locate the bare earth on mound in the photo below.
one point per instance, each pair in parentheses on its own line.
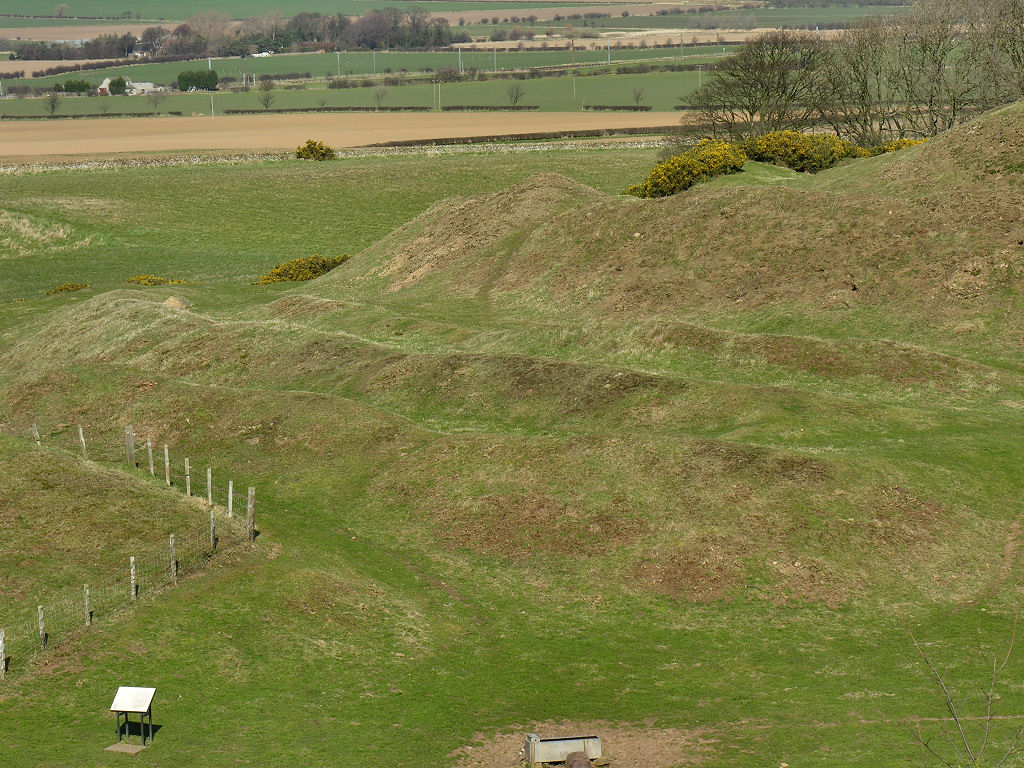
(624,746)
(32,138)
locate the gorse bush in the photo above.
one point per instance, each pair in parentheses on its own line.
(804,152)
(303,268)
(154,280)
(67,288)
(708,159)
(892,146)
(314,150)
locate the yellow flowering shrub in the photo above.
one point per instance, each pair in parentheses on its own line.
(154,280)
(708,159)
(303,268)
(804,152)
(892,146)
(67,288)
(314,150)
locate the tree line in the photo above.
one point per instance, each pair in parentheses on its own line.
(214,34)
(908,75)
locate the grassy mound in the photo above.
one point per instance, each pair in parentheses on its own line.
(700,460)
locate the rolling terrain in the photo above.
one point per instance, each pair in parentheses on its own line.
(687,468)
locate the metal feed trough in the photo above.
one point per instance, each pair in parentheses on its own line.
(540,750)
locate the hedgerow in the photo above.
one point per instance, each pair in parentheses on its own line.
(67,288)
(314,150)
(154,280)
(708,159)
(303,268)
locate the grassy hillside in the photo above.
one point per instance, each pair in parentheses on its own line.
(547,454)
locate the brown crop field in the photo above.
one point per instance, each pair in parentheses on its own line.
(286,131)
(83,32)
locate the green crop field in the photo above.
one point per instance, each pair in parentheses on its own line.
(366,63)
(755,17)
(540,456)
(237,9)
(660,90)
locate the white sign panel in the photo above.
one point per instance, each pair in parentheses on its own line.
(137,700)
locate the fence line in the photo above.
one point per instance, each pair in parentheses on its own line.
(144,573)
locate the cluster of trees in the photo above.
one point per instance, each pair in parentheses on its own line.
(909,75)
(200,79)
(103,47)
(213,34)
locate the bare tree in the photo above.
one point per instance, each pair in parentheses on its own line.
(515,93)
(965,745)
(379,94)
(638,96)
(155,99)
(51,103)
(266,95)
(768,86)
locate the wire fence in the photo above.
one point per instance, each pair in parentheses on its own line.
(145,572)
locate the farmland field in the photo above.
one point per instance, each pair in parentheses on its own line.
(286,131)
(539,456)
(365,63)
(160,10)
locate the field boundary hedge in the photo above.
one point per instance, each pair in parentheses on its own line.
(173,113)
(590,133)
(617,107)
(285,110)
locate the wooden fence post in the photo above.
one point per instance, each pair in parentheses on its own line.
(250,514)
(167,466)
(131,565)
(42,630)
(149,452)
(35,435)
(231,496)
(209,486)
(188,479)
(88,611)
(129,443)
(81,439)
(174,562)
(3,655)
(213,531)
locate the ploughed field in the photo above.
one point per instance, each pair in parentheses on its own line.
(287,131)
(541,457)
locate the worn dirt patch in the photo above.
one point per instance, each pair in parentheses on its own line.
(626,746)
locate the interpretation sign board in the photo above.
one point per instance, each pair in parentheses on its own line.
(133,701)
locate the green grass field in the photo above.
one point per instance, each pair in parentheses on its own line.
(542,453)
(758,17)
(661,91)
(365,63)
